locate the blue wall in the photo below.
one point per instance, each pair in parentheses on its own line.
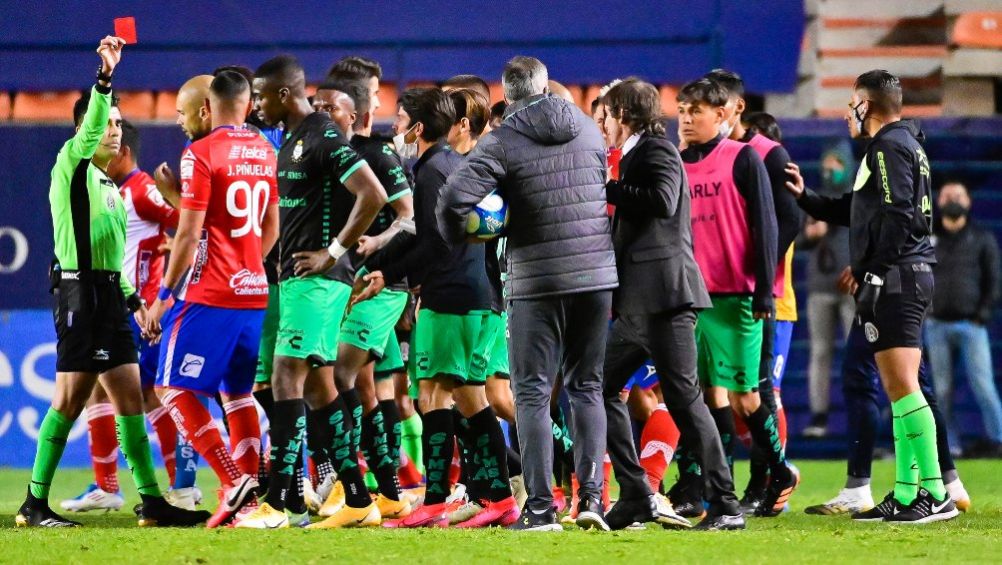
(52,45)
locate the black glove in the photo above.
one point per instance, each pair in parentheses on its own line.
(866,300)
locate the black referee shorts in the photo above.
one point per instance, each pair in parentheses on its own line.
(92,323)
(901,309)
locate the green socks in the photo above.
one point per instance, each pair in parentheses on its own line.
(906,473)
(411,430)
(135,444)
(920,430)
(51,443)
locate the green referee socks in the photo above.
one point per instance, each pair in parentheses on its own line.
(51,443)
(905,470)
(920,431)
(135,444)
(411,431)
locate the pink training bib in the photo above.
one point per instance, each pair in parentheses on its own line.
(720,235)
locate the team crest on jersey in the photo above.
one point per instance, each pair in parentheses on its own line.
(110,201)
(862,175)
(872,334)
(297,152)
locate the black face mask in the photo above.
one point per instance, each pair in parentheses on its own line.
(954,210)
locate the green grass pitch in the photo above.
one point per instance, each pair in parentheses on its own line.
(791,538)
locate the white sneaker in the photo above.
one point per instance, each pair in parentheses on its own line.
(959,495)
(311,497)
(187,498)
(94,499)
(847,501)
(326,486)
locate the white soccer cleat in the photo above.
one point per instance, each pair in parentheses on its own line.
(186,498)
(847,501)
(311,497)
(326,486)
(458,493)
(94,499)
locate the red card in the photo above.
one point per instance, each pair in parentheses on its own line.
(126,29)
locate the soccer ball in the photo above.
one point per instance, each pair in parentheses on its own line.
(488,219)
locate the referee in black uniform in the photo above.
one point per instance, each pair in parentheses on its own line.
(889,214)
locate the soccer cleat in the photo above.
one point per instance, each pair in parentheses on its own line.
(311,497)
(298,520)
(233,499)
(35,512)
(777,494)
(926,509)
(463,512)
(847,501)
(666,515)
(530,521)
(157,513)
(887,508)
(415,496)
(334,502)
(350,517)
(264,518)
(959,495)
(427,516)
(559,499)
(94,498)
(630,513)
(689,508)
(325,486)
(591,514)
(751,501)
(458,493)
(393,509)
(502,513)
(518,489)
(187,498)
(722,522)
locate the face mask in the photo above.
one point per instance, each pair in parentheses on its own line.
(833,178)
(406,150)
(725,129)
(859,119)
(954,210)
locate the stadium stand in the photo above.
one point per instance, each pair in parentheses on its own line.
(44,106)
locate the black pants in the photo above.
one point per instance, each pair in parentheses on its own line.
(550,336)
(669,339)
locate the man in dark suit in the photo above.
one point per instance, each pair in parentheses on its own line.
(655,306)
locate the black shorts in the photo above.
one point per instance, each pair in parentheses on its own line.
(904,302)
(92,323)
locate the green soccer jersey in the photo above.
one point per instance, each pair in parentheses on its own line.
(88,213)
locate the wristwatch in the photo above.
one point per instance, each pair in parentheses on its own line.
(870,278)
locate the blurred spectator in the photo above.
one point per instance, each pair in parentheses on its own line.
(967,286)
(827,308)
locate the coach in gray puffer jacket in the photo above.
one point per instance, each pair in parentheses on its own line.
(547,159)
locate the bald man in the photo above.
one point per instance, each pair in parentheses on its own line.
(194,118)
(560,91)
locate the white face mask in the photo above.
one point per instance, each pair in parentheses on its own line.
(406,150)
(725,129)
